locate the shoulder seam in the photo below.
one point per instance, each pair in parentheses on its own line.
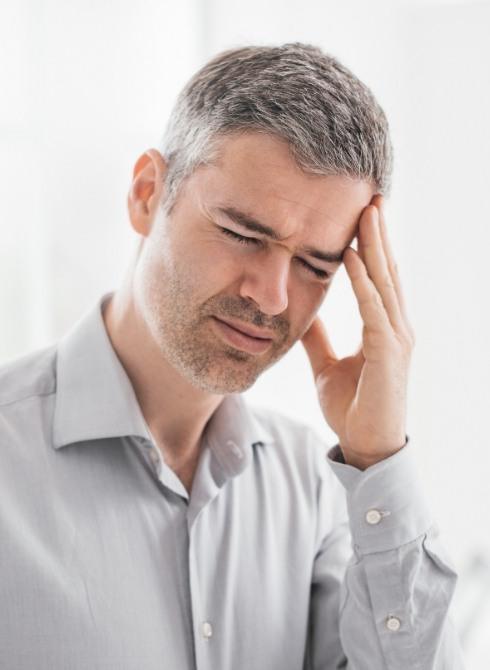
(26,397)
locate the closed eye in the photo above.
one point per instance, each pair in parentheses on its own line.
(242,239)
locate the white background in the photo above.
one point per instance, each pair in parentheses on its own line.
(86,87)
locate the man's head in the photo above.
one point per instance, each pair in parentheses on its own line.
(281,145)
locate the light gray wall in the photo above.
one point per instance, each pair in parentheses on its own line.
(86,87)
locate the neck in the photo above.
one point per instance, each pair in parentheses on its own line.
(175,411)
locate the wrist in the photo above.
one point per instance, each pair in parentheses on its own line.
(362,461)
(356,461)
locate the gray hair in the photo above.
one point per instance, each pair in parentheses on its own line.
(329,118)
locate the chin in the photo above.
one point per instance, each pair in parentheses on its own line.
(223,385)
(223,381)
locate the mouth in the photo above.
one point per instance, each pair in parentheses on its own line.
(240,339)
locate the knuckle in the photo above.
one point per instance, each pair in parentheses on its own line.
(373,297)
(388,283)
(413,339)
(406,342)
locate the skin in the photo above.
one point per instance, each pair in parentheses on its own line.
(186,270)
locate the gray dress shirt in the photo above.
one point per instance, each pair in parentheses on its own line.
(281,558)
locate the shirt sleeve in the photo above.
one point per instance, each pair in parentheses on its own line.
(393,595)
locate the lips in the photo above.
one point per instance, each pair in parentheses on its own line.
(238,339)
(248,329)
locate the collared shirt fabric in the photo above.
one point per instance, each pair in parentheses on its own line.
(281,558)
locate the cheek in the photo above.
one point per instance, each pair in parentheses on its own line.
(205,268)
(216,265)
(305,300)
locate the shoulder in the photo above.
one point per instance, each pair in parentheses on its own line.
(27,386)
(297,455)
(294,440)
(287,430)
(31,375)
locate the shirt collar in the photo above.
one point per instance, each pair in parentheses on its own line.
(95,398)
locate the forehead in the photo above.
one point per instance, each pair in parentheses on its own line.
(257,172)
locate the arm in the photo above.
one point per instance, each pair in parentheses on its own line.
(399,583)
(392,586)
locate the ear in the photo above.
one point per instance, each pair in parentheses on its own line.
(147,190)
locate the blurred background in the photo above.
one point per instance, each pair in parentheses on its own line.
(86,87)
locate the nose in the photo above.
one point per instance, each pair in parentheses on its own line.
(265,281)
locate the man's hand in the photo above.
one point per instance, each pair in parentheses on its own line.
(363,396)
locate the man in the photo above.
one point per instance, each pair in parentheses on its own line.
(150,518)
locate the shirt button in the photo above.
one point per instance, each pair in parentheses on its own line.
(373,516)
(393,623)
(207,630)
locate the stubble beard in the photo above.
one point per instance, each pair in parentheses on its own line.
(183,333)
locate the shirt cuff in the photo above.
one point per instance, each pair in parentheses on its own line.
(386,504)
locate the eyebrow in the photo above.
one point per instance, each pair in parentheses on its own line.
(250,223)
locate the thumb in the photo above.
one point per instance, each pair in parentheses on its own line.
(318,347)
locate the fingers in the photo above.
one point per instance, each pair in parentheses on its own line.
(376,262)
(318,347)
(392,264)
(371,307)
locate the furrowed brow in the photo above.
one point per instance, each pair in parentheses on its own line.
(251,224)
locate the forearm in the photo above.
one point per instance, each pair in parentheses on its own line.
(399,584)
